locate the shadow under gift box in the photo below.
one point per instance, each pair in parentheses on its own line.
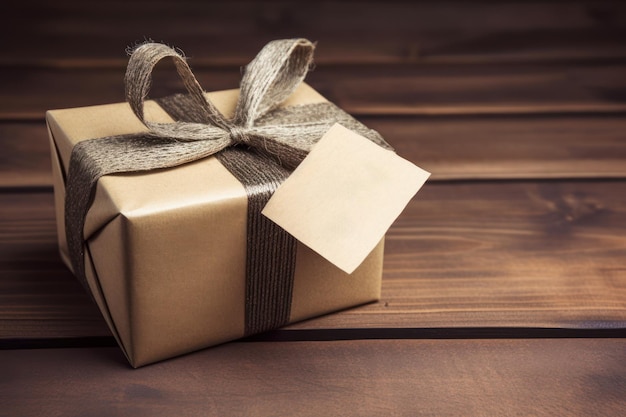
(166,250)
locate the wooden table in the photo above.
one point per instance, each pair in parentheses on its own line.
(504,289)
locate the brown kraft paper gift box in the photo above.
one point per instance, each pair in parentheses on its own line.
(166,249)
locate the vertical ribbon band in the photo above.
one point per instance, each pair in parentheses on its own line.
(270,251)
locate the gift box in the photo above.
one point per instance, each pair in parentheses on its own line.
(166,251)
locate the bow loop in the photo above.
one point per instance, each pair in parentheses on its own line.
(272,77)
(138,80)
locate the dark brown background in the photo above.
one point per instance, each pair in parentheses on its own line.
(504,288)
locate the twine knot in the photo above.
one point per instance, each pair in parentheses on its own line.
(239,135)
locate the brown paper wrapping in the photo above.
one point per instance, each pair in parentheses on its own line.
(166,250)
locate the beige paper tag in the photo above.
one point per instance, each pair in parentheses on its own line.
(343,197)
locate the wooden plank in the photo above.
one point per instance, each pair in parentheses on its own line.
(31,274)
(33,91)
(466,148)
(361,90)
(466,255)
(539,377)
(474,90)
(25,157)
(520,254)
(79,33)
(449,147)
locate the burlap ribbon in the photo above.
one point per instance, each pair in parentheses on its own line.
(259,146)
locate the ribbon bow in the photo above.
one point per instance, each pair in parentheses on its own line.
(268,80)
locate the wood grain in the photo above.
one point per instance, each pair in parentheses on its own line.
(359,89)
(539,377)
(31,273)
(451,148)
(70,33)
(504,254)
(516,244)
(466,255)
(509,147)
(25,157)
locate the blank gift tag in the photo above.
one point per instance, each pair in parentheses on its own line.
(343,197)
